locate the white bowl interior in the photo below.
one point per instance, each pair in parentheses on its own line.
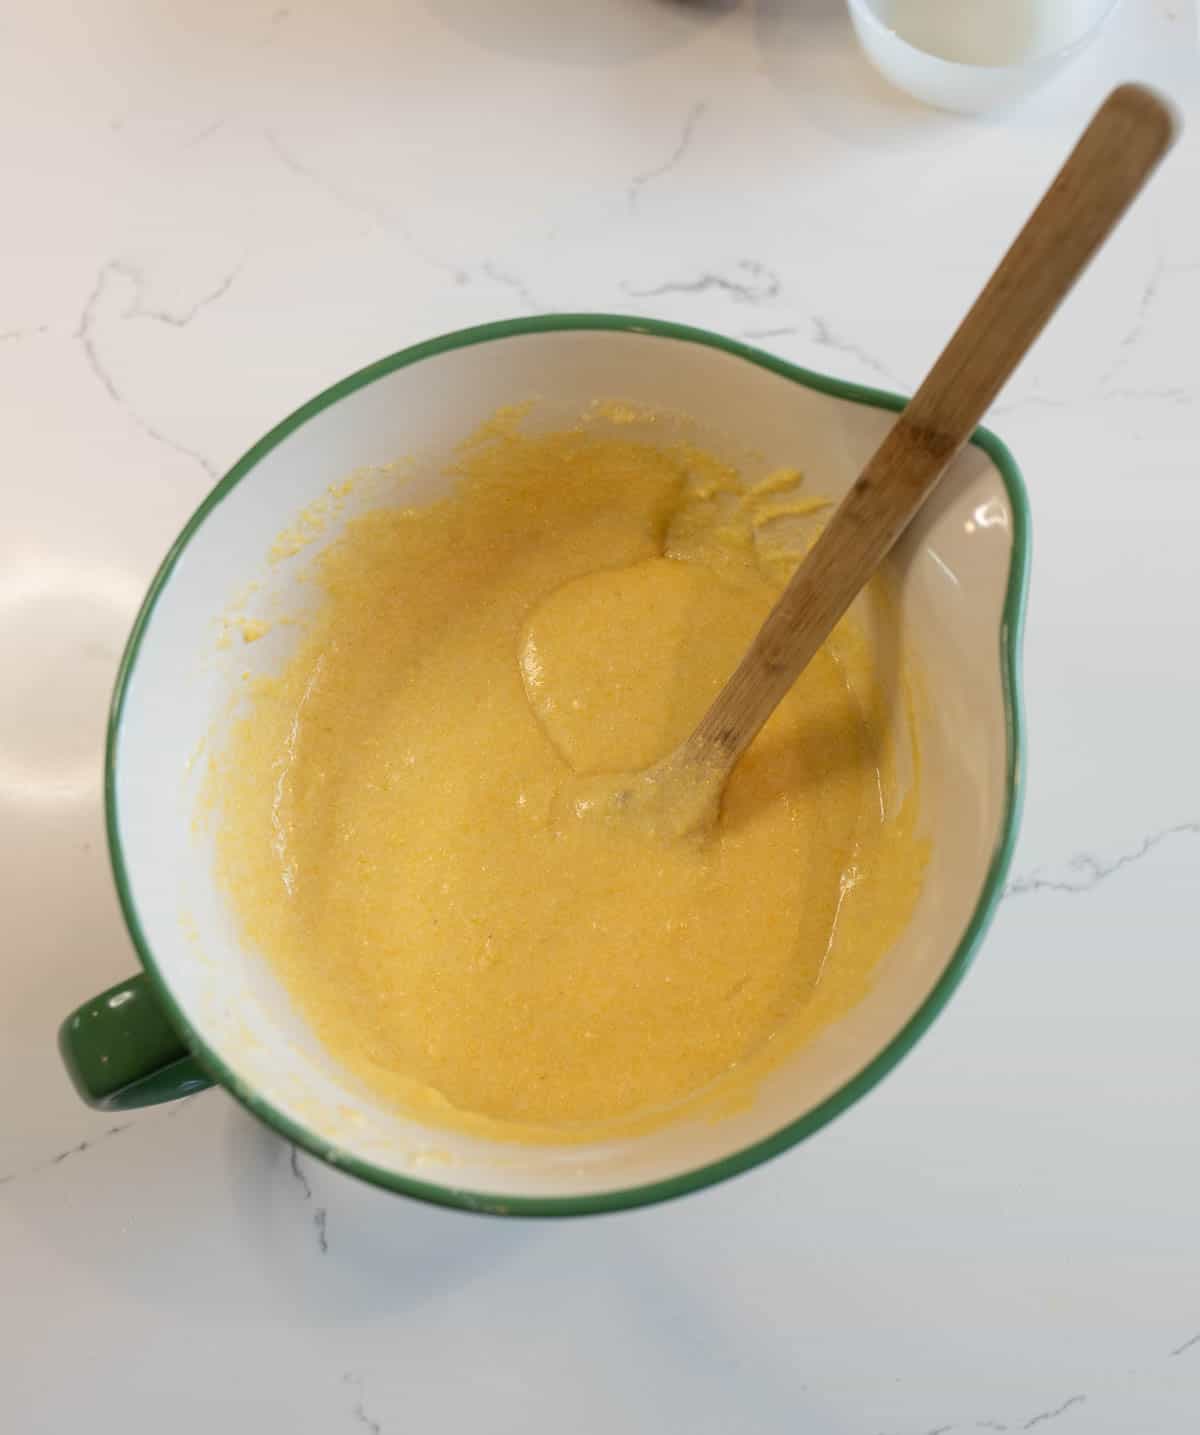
(972,56)
(952,571)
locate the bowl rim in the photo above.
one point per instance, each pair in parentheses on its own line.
(1010,640)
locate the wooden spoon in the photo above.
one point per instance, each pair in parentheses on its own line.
(1115,156)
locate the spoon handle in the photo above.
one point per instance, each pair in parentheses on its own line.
(1115,156)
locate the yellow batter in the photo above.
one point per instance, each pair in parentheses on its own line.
(396,833)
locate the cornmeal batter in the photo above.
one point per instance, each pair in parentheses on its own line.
(395,833)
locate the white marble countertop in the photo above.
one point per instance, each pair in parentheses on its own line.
(212,211)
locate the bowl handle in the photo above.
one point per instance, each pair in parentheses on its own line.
(121,1050)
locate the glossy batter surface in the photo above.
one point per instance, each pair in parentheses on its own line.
(397,833)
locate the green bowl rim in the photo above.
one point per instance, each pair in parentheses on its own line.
(1011,628)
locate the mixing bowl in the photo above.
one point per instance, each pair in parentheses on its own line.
(206,1009)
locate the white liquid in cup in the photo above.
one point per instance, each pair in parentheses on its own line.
(987,32)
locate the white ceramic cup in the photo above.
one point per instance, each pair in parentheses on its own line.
(972,56)
(206,1009)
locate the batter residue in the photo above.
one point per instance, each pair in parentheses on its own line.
(394,836)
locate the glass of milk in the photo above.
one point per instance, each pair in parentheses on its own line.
(974,55)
